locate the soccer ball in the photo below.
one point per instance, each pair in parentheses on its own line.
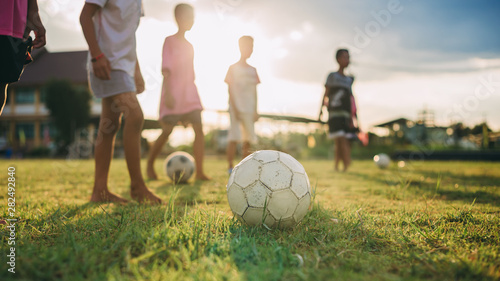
(271,188)
(179,166)
(382,160)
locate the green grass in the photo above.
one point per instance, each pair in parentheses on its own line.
(426,221)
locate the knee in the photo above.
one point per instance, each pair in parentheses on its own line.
(135,119)
(109,126)
(198,130)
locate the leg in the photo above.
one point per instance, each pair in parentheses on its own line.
(134,119)
(248,132)
(156,149)
(344,151)
(108,126)
(246,149)
(231,151)
(3,96)
(199,150)
(336,153)
(233,136)
(347,154)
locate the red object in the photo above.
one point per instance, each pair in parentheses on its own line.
(363,137)
(98,57)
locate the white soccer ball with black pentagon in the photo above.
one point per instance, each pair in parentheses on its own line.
(271,188)
(382,160)
(179,166)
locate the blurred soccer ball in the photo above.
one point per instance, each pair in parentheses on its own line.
(179,166)
(271,188)
(382,160)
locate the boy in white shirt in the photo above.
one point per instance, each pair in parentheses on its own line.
(242,80)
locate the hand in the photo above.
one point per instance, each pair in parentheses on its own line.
(256,117)
(34,23)
(325,100)
(170,101)
(139,83)
(320,114)
(102,68)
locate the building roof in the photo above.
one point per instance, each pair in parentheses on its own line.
(389,123)
(61,65)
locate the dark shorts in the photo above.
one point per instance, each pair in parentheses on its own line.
(193,117)
(338,126)
(13,58)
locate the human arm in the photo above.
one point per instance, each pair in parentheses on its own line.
(256,114)
(354,113)
(324,102)
(34,23)
(101,67)
(139,80)
(232,103)
(169,99)
(234,108)
(167,65)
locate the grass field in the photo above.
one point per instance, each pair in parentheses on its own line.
(426,221)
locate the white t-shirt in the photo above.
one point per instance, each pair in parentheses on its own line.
(115,25)
(242,81)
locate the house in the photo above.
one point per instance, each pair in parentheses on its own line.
(404,130)
(25,121)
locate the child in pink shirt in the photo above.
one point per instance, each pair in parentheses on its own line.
(17,19)
(180,103)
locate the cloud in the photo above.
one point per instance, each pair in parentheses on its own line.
(467,27)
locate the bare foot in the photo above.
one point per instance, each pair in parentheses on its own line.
(202,177)
(345,168)
(151,173)
(106,196)
(143,195)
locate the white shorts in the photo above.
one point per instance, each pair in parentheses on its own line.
(120,82)
(242,129)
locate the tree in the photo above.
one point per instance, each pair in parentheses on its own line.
(478,129)
(69,108)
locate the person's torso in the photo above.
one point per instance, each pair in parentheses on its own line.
(243,87)
(13,15)
(178,57)
(115,25)
(180,54)
(339,93)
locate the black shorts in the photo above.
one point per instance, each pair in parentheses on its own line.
(338,126)
(193,117)
(13,58)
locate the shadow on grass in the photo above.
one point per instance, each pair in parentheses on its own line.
(308,250)
(186,193)
(484,189)
(131,242)
(82,242)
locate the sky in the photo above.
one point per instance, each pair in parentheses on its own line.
(406,55)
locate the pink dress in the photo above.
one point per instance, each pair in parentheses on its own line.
(178,56)
(13,14)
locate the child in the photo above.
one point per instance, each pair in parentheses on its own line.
(338,99)
(242,80)
(18,19)
(180,102)
(114,75)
